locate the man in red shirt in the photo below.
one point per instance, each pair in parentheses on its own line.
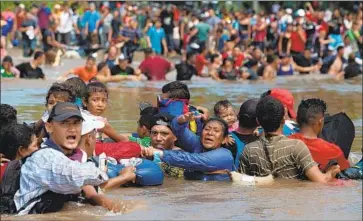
(310,117)
(155,67)
(298,40)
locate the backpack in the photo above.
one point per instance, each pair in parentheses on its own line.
(339,129)
(10,184)
(8,187)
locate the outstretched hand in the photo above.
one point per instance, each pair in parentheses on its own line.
(187,117)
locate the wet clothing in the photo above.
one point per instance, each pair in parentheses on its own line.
(246,139)
(228,75)
(6,74)
(208,161)
(47,33)
(27,71)
(352,70)
(50,170)
(198,158)
(155,68)
(146,141)
(118,150)
(281,72)
(117,70)
(85,74)
(323,151)
(185,71)
(277,155)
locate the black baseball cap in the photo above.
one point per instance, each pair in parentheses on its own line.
(63,111)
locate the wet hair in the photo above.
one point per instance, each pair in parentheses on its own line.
(61,89)
(230,59)
(14,137)
(246,118)
(213,57)
(7,116)
(94,87)
(76,85)
(271,58)
(176,89)
(38,54)
(340,48)
(221,122)
(266,93)
(91,58)
(8,59)
(309,111)
(270,113)
(146,117)
(190,55)
(101,65)
(224,104)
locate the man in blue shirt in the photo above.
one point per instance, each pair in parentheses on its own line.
(91,19)
(156,38)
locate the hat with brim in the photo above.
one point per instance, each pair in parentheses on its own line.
(286,98)
(91,123)
(163,119)
(63,111)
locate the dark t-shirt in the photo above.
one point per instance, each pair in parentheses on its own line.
(246,139)
(167,21)
(228,75)
(303,62)
(27,71)
(184,71)
(115,24)
(116,70)
(46,34)
(352,70)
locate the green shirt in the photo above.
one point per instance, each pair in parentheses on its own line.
(203,30)
(5,74)
(146,141)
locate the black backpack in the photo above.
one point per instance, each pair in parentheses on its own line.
(339,129)
(9,185)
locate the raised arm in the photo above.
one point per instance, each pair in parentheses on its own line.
(189,141)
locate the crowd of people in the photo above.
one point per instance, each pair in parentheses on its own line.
(74,154)
(212,42)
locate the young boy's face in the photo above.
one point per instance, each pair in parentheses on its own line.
(33,146)
(54,99)
(228,115)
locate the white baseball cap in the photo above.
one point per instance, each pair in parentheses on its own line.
(90,123)
(289,11)
(22,6)
(122,57)
(300,13)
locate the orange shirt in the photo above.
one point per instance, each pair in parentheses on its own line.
(85,74)
(323,151)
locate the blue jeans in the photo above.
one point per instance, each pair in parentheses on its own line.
(170,41)
(29,46)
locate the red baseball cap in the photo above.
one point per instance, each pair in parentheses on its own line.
(286,98)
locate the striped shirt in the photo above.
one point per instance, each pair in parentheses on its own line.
(131,33)
(282,157)
(50,170)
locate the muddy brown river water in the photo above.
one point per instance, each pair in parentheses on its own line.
(192,200)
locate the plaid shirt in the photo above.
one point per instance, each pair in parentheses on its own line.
(131,33)
(50,169)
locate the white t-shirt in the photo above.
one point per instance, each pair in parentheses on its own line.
(65,22)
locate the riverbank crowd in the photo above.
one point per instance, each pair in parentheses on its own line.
(74,154)
(211,41)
